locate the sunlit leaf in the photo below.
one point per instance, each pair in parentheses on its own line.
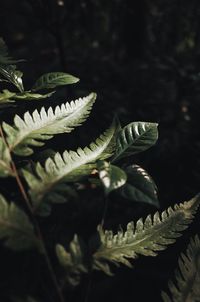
(146,237)
(112,177)
(50,180)
(34,129)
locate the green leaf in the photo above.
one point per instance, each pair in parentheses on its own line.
(37,127)
(140,187)
(54,79)
(187,278)
(5,160)
(30,96)
(144,238)
(134,138)
(13,76)
(73,261)
(68,167)
(15,227)
(112,177)
(5,59)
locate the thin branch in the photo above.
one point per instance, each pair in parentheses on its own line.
(105,209)
(36,225)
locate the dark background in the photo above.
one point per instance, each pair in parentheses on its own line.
(142,58)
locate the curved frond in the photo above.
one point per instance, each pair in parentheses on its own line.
(187,278)
(37,127)
(144,238)
(68,167)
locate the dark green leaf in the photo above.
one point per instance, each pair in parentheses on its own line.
(54,79)
(134,138)
(140,186)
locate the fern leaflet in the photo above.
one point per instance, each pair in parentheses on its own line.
(34,129)
(187,277)
(69,167)
(145,238)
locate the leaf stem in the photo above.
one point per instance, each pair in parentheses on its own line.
(105,209)
(43,249)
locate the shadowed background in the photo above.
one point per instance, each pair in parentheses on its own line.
(142,58)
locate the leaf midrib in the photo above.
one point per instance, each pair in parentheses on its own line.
(51,122)
(151,234)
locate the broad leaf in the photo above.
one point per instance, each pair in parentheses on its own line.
(5,160)
(37,127)
(144,238)
(187,278)
(68,167)
(13,76)
(72,261)
(54,79)
(15,227)
(139,187)
(134,138)
(112,177)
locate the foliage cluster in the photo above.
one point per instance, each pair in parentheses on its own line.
(45,179)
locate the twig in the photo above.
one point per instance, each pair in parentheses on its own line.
(105,210)
(36,225)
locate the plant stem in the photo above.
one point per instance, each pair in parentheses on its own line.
(105,210)
(36,225)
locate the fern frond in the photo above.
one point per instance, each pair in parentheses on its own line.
(187,276)
(144,238)
(68,167)
(5,160)
(72,261)
(15,227)
(34,129)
